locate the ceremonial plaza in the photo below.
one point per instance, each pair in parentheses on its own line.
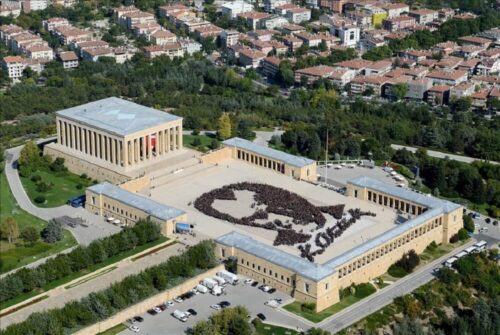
(263,207)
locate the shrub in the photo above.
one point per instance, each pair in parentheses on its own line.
(215,144)
(397,271)
(308,306)
(408,261)
(58,165)
(30,235)
(36,178)
(84,176)
(454,238)
(196,142)
(53,232)
(79,186)
(43,187)
(432,246)
(40,199)
(468,223)
(463,234)
(196,131)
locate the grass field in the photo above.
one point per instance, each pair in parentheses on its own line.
(14,255)
(296,307)
(205,141)
(75,275)
(267,329)
(65,185)
(114,330)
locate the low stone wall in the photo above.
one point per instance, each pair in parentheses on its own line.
(137,185)
(217,156)
(80,166)
(143,306)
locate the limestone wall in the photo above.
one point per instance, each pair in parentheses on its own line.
(137,184)
(80,166)
(217,156)
(144,305)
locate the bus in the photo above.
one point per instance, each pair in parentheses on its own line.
(449,262)
(481,245)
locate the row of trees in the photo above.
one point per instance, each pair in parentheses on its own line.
(478,182)
(30,279)
(98,306)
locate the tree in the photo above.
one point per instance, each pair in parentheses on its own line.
(53,232)
(29,156)
(9,229)
(400,90)
(224,127)
(468,224)
(214,144)
(30,235)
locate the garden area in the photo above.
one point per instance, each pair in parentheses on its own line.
(48,182)
(348,297)
(268,329)
(20,233)
(201,142)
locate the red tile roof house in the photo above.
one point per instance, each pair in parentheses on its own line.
(250,57)
(362,83)
(255,19)
(314,73)
(445,77)
(292,42)
(399,23)
(358,65)
(474,40)
(69,59)
(438,95)
(270,66)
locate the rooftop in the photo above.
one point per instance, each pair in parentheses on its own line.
(151,207)
(268,152)
(117,116)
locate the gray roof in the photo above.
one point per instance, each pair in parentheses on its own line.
(408,195)
(268,152)
(151,207)
(117,116)
(274,255)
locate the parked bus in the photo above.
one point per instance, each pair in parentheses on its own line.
(481,245)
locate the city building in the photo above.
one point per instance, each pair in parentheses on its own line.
(447,77)
(232,9)
(229,37)
(424,16)
(250,57)
(399,23)
(68,59)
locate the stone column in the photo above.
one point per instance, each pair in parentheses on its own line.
(72,136)
(167,142)
(102,146)
(59,132)
(62,132)
(179,143)
(174,139)
(92,144)
(113,151)
(143,155)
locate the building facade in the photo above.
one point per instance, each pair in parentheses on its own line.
(111,137)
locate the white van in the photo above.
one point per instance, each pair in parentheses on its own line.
(181,316)
(228,276)
(202,289)
(219,280)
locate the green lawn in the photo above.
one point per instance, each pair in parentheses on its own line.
(14,255)
(114,330)
(75,275)
(65,185)
(205,141)
(296,307)
(267,329)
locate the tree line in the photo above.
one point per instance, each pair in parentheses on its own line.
(31,279)
(98,306)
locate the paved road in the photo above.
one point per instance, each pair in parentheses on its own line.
(59,297)
(385,296)
(263,137)
(438,154)
(97,227)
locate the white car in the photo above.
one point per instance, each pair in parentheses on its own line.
(170,303)
(133,328)
(248,281)
(157,309)
(178,299)
(266,288)
(215,306)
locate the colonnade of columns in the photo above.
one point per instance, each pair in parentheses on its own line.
(119,151)
(261,161)
(398,204)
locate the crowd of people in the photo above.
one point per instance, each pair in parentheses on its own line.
(279,201)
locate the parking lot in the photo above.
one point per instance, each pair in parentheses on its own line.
(242,294)
(340,177)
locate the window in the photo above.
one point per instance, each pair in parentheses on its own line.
(223,252)
(258,267)
(306,287)
(326,286)
(270,272)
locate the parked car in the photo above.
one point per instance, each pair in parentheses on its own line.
(248,281)
(162,307)
(192,311)
(138,318)
(152,312)
(271,291)
(131,321)
(224,304)
(261,316)
(178,299)
(215,306)
(170,303)
(133,328)
(266,288)
(157,309)
(255,283)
